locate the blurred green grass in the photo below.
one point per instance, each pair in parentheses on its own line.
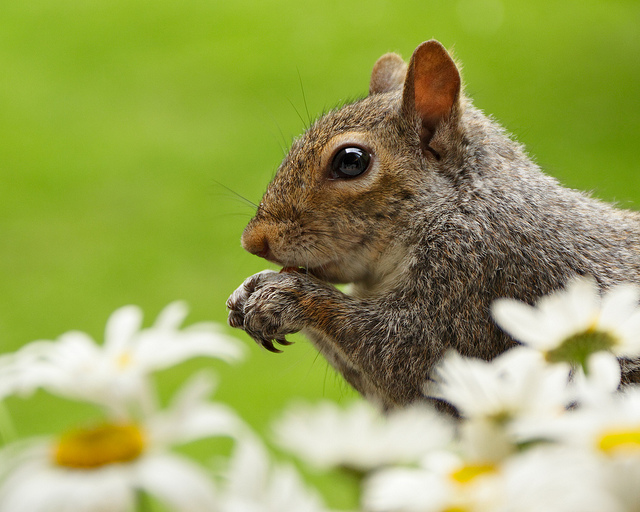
(122,122)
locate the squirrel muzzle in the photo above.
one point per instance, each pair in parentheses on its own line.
(255,239)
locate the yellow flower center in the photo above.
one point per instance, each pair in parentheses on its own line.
(468,472)
(90,448)
(617,441)
(124,360)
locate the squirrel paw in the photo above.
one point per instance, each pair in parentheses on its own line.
(267,307)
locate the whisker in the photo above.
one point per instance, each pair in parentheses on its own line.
(297,112)
(237,214)
(304,98)
(239,196)
(282,143)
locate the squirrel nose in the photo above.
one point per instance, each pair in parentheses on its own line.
(256,242)
(261,249)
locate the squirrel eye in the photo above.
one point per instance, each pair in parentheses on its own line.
(349,163)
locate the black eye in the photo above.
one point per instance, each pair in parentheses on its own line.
(349,163)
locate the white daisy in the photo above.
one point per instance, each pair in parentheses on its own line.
(599,382)
(609,430)
(254,484)
(496,398)
(359,437)
(444,482)
(515,384)
(555,479)
(104,467)
(547,478)
(569,325)
(114,374)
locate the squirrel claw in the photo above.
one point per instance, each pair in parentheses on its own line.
(283,341)
(268,344)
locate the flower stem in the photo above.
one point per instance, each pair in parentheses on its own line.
(143,504)
(7,429)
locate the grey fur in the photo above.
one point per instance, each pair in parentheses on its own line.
(427,243)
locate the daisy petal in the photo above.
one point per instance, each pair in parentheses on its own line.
(520,321)
(620,303)
(122,325)
(172,316)
(177,482)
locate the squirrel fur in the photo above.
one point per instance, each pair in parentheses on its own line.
(449,215)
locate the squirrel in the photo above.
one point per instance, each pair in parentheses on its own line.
(430,211)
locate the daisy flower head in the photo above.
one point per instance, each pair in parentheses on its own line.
(552,479)
(555,479)
(358,437)
(114,374)
(571,324)
(515,384)
(495,398)
(608,428)
(105,467)
(443,482)
(608,431)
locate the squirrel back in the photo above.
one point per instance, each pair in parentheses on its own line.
(431,212)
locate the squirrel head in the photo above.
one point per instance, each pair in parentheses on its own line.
(341,202)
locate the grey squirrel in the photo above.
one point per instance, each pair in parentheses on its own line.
(431,212)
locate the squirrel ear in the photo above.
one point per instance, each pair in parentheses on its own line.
(432,87)
(388,73)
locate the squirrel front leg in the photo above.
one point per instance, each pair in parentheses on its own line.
(348,331)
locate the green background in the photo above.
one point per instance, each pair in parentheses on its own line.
(123,122)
